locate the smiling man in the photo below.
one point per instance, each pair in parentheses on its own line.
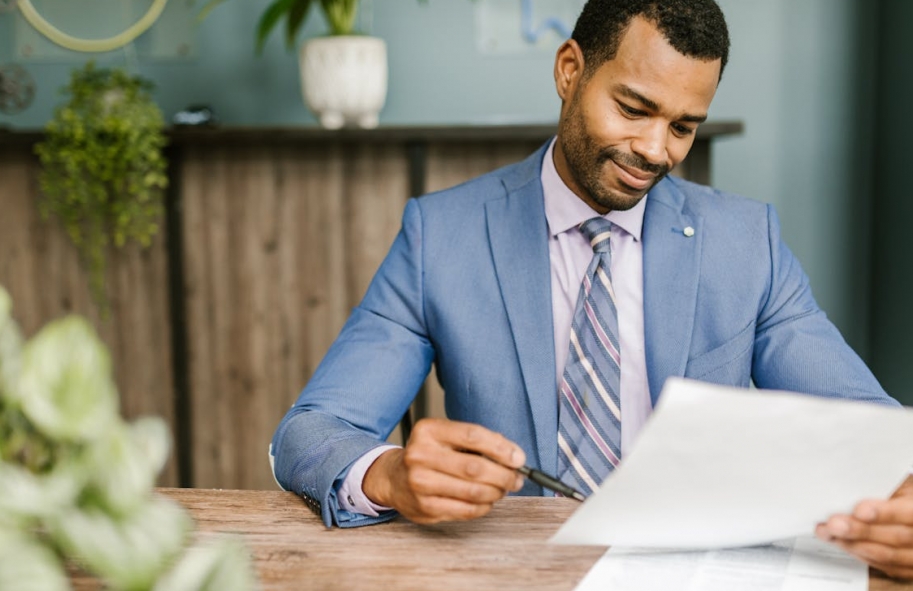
(626,124)
(555,297)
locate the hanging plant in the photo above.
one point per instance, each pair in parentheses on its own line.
(103,173)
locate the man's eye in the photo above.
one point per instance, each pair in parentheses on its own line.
(631,110)
(681,130)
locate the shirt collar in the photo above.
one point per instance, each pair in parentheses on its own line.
(564,210)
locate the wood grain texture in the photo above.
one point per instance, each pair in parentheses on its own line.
(281,243)
(505,550)
(452,163)
(40,268)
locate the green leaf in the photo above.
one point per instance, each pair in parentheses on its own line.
(124,464)
(66,387)
(25,565)
(296,17)
(10,345)
(219,565)
(340,15)
(270,17)
(25,496)
(129,553)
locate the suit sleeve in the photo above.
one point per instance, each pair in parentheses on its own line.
(363,386)
(796,347)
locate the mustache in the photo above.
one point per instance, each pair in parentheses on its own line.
(633,161)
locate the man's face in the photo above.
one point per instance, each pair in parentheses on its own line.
(626,125)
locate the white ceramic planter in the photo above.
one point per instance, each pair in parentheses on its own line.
(344,79)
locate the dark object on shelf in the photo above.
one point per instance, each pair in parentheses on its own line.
(17,89)
(195,116)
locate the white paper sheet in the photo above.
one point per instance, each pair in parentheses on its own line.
(803,564)
(718,467)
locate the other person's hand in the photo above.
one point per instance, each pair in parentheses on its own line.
(448,471)
(879,532)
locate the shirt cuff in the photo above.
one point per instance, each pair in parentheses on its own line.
(350,495)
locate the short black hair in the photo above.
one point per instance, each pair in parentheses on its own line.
(695,28)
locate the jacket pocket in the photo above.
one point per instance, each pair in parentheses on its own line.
(729,363)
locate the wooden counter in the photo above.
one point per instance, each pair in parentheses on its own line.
(507,549)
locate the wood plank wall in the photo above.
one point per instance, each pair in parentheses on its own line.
(277,240)
(40,269)
(280,242)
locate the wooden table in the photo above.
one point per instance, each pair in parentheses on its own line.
(507,549)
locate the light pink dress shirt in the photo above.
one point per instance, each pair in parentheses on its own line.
(569,255)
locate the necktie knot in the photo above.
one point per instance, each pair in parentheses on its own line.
(598,231)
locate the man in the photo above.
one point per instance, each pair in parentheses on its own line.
(483,280)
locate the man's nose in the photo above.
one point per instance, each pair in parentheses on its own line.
(650,144)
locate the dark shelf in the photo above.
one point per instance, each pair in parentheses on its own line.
(182,136)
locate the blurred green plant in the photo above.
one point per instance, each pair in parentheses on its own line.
(339,14)
(76,481)
(103,173)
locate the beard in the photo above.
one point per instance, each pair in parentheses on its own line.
(587,162)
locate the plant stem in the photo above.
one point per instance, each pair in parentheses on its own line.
(340,15)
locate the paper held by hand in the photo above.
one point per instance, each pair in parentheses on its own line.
(721,467)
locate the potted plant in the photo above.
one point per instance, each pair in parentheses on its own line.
(76,480)
(343,74)
(103,173)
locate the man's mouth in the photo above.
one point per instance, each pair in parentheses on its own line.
(635,178)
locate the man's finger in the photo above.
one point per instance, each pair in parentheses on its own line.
(896,510)
(437,509)
(894,571)
(892,561)
(429,483)
(469,467)
(844,527)
(471,437)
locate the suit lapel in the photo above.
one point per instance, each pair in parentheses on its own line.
(671,272)
(518,235)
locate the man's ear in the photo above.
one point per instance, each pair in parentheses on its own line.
(568,69)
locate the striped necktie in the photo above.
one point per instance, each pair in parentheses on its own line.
(589,421)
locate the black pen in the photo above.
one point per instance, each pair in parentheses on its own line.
(551,483)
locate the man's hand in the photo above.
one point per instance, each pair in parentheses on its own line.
(448,471)
(878,532)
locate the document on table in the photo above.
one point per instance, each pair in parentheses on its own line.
(718,467)
(800,564)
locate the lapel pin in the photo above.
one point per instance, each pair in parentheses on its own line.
(688,232)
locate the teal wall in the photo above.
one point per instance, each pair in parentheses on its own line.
(798,79)
(801,77)
(437,73)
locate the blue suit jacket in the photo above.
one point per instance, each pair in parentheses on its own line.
(466,285)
